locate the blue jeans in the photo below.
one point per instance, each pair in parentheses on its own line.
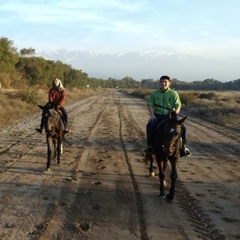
(152,124)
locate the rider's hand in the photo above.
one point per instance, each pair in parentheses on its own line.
(152,118)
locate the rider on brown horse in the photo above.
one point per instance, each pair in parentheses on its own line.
(160,102)
(57,95)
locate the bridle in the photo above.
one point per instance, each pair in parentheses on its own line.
(51,117)
(171,133)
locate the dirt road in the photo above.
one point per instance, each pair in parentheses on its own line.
(102,189)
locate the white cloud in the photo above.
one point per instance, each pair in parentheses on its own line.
(198,27)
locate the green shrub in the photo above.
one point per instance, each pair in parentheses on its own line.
(188,98)
(210,95)
(29,96)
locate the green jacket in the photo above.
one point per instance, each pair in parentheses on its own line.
(163,102)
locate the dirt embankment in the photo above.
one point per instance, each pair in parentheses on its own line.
(102,189)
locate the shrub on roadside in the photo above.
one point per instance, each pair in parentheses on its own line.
(209,95)
(188,98)
(141,93)
(29,96)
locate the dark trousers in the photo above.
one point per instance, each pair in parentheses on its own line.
(65,116)
(151,125)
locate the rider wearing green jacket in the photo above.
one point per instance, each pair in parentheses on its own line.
(159,103)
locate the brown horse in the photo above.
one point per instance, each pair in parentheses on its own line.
(54,127)
(166,145)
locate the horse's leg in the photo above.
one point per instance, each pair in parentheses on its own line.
(55,148)
(174,176)
(161,175)
(49,152)
(164,170)
(59,144)
(61,152)
(151,159)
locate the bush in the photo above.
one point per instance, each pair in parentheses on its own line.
(210,95)
(188,98)
(29,96)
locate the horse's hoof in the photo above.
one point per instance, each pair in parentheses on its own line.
(47,170)
(169,198)
(162,196)
(152,174)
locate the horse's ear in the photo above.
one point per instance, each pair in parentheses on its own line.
(182,120)
(40,107)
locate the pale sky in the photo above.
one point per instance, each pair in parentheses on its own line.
(208,28)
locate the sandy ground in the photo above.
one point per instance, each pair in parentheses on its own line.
(102,189)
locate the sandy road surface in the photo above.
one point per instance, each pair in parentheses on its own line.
(102,190)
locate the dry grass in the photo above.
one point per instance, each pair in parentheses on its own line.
(16,104)
(221,106)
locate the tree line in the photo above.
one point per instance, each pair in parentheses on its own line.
(19,69)
(207,84)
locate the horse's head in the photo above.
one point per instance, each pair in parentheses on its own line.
(50,117)
(48,105)
(171,134)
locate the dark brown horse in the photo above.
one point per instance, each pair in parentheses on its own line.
(166,145)
(54,127)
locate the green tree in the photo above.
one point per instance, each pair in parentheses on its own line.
(8,59)
(27,52)
(8,55)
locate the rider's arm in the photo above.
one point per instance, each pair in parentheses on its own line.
(151,112)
